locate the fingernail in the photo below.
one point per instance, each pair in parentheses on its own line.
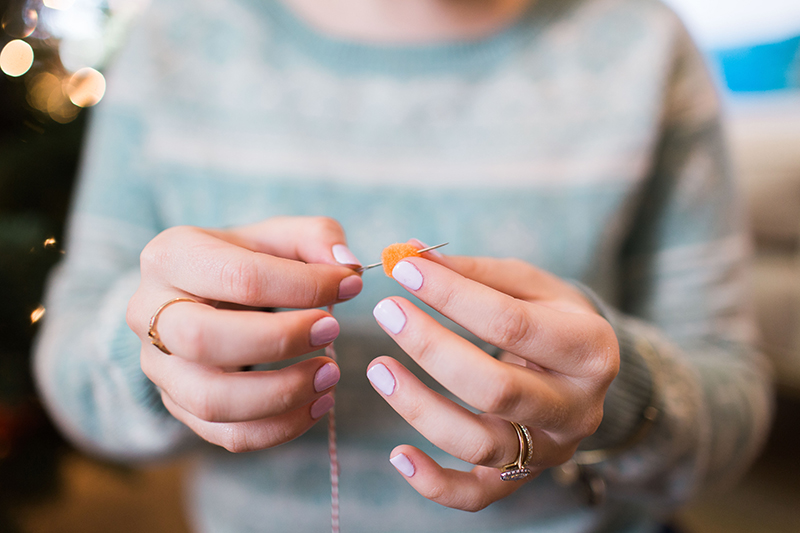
(349,287)
(321,406)
(324,331)
(344,256)
(390,316)
(383,380)
(402,464)
(327,376)
(407,275)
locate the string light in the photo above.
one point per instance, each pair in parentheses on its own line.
(59,5)
(49,243)
(16,58)
(86,87)
(20,24)
(37,314)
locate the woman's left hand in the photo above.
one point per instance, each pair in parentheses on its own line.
(560,357)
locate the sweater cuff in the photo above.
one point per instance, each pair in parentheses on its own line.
(629,408)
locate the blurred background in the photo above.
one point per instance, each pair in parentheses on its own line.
(52,56)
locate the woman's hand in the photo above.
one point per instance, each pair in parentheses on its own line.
(293,263)
(559,358)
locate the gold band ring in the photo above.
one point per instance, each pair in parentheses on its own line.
(152,332)
(519,469)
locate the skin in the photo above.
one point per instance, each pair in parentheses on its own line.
(282,262)
(409,21)
(559,355)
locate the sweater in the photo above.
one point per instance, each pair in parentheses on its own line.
(585,139)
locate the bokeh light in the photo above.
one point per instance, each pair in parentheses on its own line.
(16,58)
(20,24)
(39,89)
(59,4)
(37,314)
(86,87)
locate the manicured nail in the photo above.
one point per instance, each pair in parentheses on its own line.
(324,331)
(321,406)
(327,376)
(402,464)
(407,275)
(383,380)
(390,316)
(344,256)
(349,287)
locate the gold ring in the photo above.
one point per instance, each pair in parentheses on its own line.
(152,332)
(519,469)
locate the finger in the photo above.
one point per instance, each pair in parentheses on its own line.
(224,338)
(216,396)
(253,434)
(510,391)
(540,334)
(511,276)
(201,264)
(476,439)
(308,239)
(468,491)
(479,439)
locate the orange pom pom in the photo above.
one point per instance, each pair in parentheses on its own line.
(394,253)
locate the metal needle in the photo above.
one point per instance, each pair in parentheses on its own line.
(428,249)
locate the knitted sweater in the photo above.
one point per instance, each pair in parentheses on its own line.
(583,139)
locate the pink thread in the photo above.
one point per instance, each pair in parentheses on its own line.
(334,455)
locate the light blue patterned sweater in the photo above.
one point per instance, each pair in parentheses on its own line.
(583,139)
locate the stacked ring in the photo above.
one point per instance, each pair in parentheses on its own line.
(519,469)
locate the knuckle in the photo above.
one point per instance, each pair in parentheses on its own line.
(592,421)
(484,452)
(191,339)
(435,492)
(473,506)
(133,312)
(603,357)
(158,251)
(327,225)
(317,292)
(512,328)
(204,404)
(425,347)
(241,280)
(236,439)
(283,399)
(501,396)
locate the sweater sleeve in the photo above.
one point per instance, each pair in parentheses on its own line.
(682,316)
(86,360)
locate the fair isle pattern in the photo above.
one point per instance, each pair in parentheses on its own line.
(584,139)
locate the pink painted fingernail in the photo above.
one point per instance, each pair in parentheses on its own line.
(403,464)
(324,331)
(327,376)
(390,316)
(321,406)
(383,380)
(407,275)
(344,256)
(349,287)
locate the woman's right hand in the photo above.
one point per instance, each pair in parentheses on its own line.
(297,263)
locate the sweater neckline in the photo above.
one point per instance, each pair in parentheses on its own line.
(354,57)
